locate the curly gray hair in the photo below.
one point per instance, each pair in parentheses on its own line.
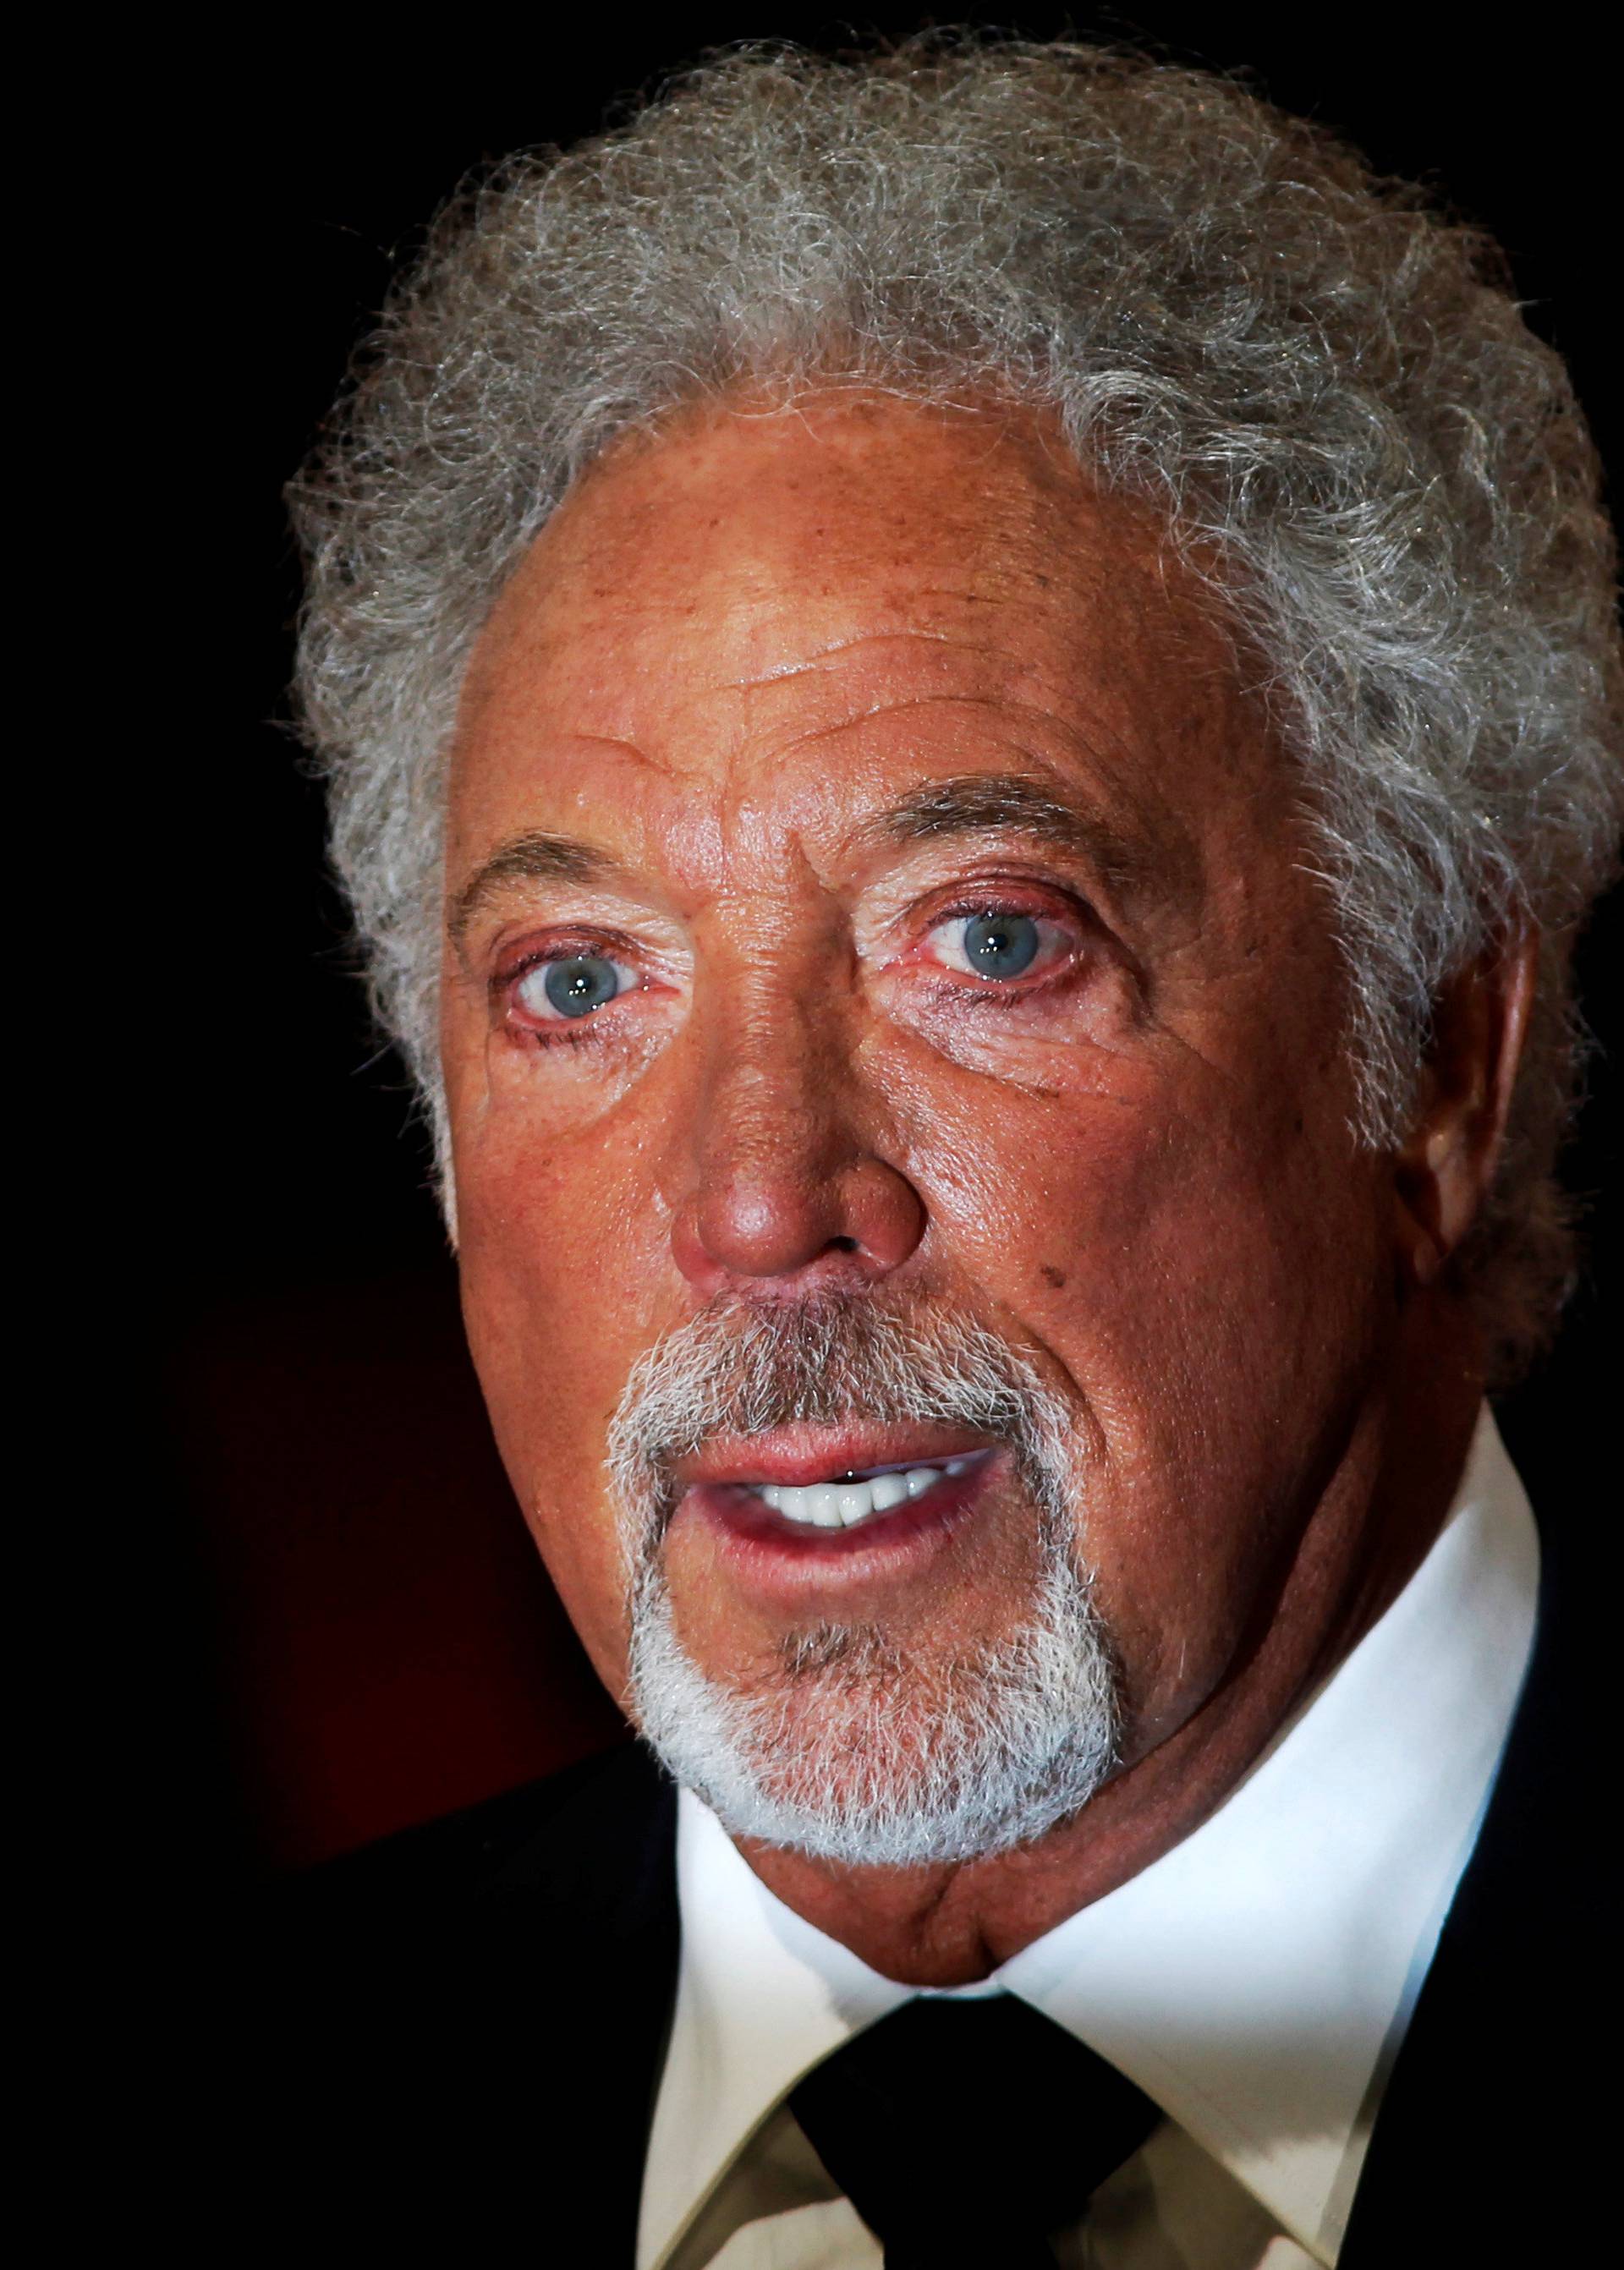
(1324,387)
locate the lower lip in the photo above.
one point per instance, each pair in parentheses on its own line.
(760,1536)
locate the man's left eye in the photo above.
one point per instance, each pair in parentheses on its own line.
(996,944)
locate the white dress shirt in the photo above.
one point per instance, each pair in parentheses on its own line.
(1255,1981)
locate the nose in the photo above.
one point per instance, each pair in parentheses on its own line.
(784,1184)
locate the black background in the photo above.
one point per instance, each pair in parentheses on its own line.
(305,1367)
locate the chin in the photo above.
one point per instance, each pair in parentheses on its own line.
(850,1753)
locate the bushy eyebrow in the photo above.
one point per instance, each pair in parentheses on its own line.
(970,804)
(986,804)
(532,858)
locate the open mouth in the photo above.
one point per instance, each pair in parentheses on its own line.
(848,1500)
(821,1508)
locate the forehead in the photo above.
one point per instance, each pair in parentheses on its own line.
(785,601)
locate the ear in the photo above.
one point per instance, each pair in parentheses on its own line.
(1442,1170)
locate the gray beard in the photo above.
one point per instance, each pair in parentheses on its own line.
(848,1749)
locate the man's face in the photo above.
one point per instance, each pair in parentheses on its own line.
(939,950)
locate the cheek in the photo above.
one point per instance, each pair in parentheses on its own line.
(1141,1182)
(557,1249)
(1202,1262)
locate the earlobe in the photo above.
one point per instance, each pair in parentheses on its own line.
(1443,1171)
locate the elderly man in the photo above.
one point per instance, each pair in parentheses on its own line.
(971,704)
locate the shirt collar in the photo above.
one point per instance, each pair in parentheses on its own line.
(1255,1981)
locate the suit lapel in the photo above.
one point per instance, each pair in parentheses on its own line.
(606,1863)
(1476,2129)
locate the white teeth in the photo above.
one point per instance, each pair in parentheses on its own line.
(823,1505)
(838,1505)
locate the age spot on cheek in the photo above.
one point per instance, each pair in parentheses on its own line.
(1051,1275)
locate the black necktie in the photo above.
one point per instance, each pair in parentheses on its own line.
(964,2132)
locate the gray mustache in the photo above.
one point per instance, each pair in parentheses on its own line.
(743,1371)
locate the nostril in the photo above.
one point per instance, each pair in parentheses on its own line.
(739,1222)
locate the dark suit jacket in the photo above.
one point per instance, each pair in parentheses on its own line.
(490,2065)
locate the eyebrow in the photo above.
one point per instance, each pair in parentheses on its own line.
(984,804)
(532,858)
(971,804)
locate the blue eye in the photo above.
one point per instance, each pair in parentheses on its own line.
(571,988)
(999,946)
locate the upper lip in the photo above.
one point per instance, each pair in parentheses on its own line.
(804,1453)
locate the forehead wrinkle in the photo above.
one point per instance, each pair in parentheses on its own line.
(828,658)
(934,649)
(1008,712)
(1000,705)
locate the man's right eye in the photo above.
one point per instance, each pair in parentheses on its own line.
(573,986)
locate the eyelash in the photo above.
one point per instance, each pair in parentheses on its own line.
(1011,994)
(592,1031)
(565,1032)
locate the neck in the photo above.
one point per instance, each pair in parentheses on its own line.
(950,1925)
